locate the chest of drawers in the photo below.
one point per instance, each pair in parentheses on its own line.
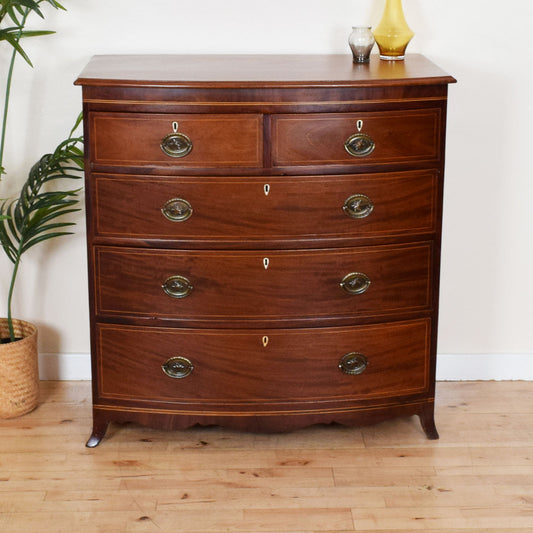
(263,239)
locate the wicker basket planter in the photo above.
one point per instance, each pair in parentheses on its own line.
(19,372)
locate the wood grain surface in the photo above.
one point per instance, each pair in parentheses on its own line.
(385,478)
(237,285)
(239,211)
(257,71)
(263,371)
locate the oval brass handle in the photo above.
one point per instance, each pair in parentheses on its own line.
(177,210)
(176,145)
(355,283)
(177,367)
(177,286)
(359,145)
(353,363)
(358,206)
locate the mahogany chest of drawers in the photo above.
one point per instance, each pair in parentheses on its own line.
(263,239)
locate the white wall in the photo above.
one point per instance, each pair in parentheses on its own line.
(486,313)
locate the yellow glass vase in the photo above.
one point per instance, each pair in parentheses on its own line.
(392,33)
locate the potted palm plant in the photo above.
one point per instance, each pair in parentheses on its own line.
(29,220)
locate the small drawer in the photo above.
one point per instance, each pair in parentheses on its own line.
(272,285)
(356,138)
(181,141)
(258,368)
(221,210)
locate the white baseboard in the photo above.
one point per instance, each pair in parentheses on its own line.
(484,367)
(65,366)
(450,367)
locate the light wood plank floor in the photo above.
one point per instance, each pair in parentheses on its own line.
(477,478)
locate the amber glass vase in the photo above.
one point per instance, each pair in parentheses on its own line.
(392,33)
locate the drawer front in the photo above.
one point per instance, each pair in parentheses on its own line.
(209,285)
(232,367)
(137,139)
(265,208)
(372,138)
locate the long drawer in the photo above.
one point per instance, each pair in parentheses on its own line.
(356,138)
(177,141)
(274,284)
(259,368)
(263,208)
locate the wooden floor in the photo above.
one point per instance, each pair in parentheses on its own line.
(477,478)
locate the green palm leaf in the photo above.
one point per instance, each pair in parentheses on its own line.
(27,221)
(32,218)
(18,11)
(13,39)
(19,5)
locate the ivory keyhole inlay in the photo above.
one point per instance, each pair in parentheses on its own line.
(265,340)
(266,188)
(266,262)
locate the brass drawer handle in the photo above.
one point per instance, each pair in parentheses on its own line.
(177,367)
(359,145)
(353,363)
(355,283)
(177,210)
(176,144)
(358,206)
(177,287)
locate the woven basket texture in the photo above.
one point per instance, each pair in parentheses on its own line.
(19,372)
